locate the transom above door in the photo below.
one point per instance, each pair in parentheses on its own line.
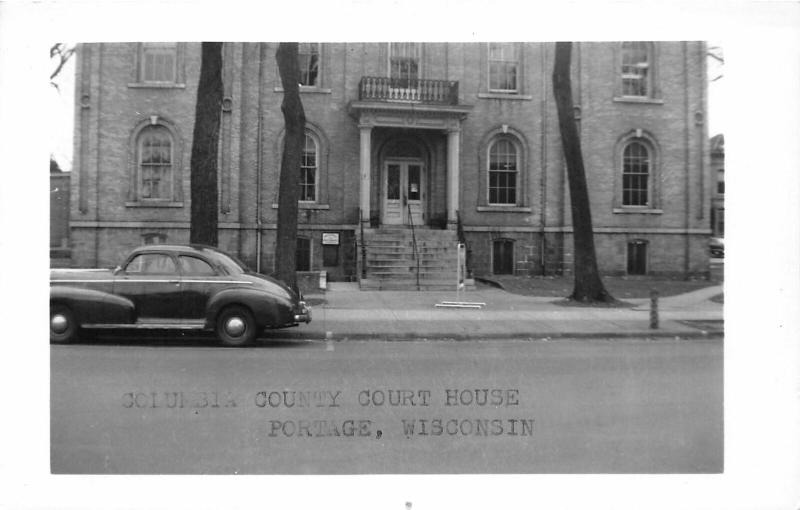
(403,192)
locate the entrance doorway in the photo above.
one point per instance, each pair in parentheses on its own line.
(403,192)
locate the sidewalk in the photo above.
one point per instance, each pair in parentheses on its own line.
(344,312)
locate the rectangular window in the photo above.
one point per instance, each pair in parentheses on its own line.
(308,59)
(303,254)
(159,62)
(637,257)
(635,69)
(503,65)
(404,64)
(413,182)
(503,256)
(721,182)
(634,189)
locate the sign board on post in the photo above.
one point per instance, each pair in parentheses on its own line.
(331,238)
(461,272)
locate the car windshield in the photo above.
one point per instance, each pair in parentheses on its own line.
(231,264)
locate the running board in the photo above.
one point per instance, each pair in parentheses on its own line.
(182,325)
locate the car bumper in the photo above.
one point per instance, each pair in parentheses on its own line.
(302,313)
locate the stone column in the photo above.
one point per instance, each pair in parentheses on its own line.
(453,174)
(366,167)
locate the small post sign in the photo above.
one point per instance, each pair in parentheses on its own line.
(461,271)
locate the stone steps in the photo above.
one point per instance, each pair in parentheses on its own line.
(391,262)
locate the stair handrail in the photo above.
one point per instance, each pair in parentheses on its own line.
(363,245)
(415,254)
(460,228)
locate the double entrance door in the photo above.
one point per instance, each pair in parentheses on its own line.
(403,192)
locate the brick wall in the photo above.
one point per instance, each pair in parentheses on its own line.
(110,105)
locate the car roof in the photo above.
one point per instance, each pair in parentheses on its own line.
(183,248)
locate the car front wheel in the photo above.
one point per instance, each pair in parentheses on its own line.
(63,327)
(236,326)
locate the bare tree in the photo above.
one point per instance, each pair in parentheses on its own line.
(288,191)
(588,285)
(60,53)
(205,143)
(716,59)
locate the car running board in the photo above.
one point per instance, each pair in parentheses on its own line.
(178,324)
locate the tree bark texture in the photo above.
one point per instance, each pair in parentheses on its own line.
(289,186)
(588,285)
(205,144)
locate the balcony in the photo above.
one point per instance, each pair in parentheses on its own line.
(435,92)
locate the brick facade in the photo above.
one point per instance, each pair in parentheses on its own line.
(114,104)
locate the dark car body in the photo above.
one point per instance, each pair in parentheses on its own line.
(716,247)
(173,287)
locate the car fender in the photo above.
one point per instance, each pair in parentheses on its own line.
(94,306)
(268,309)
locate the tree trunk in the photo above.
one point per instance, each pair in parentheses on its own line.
(588,285)
(289,187)
(205,143)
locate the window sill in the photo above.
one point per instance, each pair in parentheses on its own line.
(308,205)
(639,100)
(155,204)
(514,96)
(144,85)
(635,210)
(503,208)
(306,90)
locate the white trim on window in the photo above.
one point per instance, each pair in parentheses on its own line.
(309,167)
(503,68)
(309,57)
(503,163)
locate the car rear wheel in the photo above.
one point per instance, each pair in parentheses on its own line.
(63,327)
(236,326)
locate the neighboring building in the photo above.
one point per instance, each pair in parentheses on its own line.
(429,133)
(717,151)
(59,215)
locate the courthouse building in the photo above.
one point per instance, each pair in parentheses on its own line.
(409,147)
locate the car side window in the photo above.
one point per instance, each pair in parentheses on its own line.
(193,266)
(151,263)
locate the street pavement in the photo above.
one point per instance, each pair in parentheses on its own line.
(314,407)
(343,312)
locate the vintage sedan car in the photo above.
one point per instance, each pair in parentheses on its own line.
(716,246)
(173,287)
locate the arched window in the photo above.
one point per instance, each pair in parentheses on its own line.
(504,164)
(308,169)
(312,181)
(637,61)
(155,164)
(635,174)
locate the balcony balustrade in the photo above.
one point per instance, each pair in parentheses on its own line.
(374,88)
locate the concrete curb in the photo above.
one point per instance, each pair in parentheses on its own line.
(413,336)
